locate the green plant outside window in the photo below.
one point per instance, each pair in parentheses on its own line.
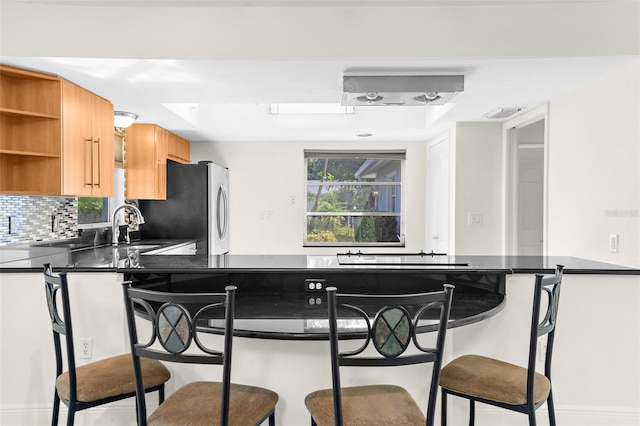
(93,210)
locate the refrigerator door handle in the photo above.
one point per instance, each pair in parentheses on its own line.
(221,218)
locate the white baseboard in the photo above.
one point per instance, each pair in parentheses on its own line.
(597,416)
(124,415)
(107,415)
(565,416)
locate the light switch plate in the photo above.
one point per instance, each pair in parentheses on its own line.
(475,219)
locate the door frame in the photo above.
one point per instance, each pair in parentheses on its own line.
(510,173)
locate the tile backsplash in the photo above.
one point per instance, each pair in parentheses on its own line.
(35,218)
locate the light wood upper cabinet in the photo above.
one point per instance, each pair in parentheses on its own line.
(88,149)
(30,132)
(55,137)
(146,162)
(179,149)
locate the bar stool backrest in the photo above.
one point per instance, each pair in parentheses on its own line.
(174,336)
(57,293)
(397,322)
(545,325)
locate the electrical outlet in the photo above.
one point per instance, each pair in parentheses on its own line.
(86,348)
(314,285)
(314,302)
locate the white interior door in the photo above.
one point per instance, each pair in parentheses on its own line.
(438,185)
(530,200)
(530,190)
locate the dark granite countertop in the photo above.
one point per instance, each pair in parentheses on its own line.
(77,255)
(131,258)
(505,264)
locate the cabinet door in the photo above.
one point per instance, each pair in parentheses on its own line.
(103,148)
(178,149)
(161,152)
(77,143)
(184,148)
(87,154)
(146,150)
(140,162)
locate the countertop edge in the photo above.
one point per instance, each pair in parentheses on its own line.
(508,271)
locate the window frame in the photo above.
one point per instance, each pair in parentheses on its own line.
(350,155)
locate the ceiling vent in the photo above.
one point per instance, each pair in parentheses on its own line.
(400,90)
(500,113)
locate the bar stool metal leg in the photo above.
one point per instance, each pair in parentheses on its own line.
(472,412)
(443,410)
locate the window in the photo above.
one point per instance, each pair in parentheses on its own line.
(354,198)
(93,211)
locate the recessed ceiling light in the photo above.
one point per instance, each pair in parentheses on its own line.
(364,135)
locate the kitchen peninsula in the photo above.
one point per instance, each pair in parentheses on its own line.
(286,350)
(292,287)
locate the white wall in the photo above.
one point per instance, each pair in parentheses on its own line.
(478,176)
(593,166)
(596,364)
(594,169)
(27,358)
(32,29)
(264,177)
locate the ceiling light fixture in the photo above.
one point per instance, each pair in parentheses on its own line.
(364,135)
(123,119)
(399,89)
(310,108)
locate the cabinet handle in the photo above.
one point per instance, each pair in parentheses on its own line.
(93,178)
(88,164)
(159,180)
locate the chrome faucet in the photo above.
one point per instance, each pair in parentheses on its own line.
(115,230)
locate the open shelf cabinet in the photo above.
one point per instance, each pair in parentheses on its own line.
(30,132)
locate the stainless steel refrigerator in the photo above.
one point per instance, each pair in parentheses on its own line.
(197,206)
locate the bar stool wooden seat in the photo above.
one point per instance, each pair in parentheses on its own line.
(505,385)
(398,319)
(99,382)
